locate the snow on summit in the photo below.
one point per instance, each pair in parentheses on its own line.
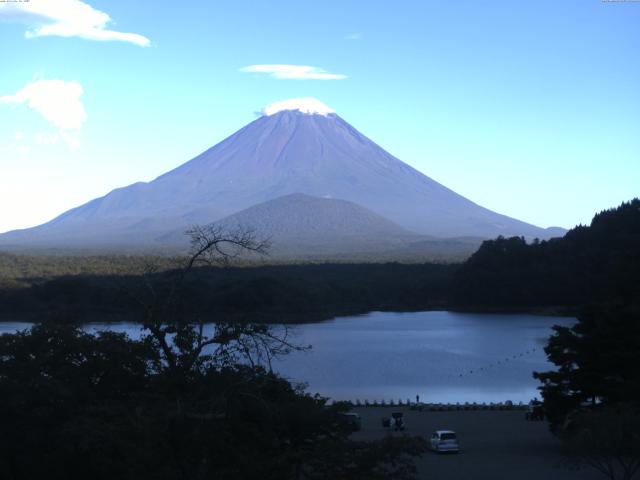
(306,105)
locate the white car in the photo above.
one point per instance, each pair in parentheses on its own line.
(445,441)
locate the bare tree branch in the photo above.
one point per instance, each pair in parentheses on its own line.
(185,347)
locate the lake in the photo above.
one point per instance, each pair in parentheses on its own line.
(441,356)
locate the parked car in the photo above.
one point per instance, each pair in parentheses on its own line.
(396,421)
(445,441)
(534,412)
(351,420)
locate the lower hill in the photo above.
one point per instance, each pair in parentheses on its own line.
(306,227)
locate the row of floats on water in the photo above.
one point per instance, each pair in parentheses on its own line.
(497,363)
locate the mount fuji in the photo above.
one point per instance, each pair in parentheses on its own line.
(297,147)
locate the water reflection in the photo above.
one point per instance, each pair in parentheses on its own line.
(441,356)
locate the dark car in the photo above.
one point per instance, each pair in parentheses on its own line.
(350,420)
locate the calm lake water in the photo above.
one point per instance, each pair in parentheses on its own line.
(441,356)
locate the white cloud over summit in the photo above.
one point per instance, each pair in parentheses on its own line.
(66,18)
(58,102)
(305,105)
(294,72)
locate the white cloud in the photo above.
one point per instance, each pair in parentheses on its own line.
(305,105)
(46,139)
(66,18)
(58,102)
(17,146)
(71,138)
(353,36)
(294,72)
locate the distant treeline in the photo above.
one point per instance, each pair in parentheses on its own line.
(285,293)
(28,269)
(589,264)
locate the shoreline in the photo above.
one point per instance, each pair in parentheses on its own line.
(292,318)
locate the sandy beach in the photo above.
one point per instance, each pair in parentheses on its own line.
(494,445)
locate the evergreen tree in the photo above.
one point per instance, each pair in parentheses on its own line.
(593,398)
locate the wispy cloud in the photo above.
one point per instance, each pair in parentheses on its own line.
(293,72)
(17,145)
(353,36)
(58,102)
(66,18)
(46,139)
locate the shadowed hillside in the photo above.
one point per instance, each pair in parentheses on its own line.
(300,226)
(589,264)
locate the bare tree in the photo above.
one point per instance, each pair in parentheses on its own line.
(186,346)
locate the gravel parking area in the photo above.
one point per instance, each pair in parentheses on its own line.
(494,445)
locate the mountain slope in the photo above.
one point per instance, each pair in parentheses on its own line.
(312,219)
(279,154)
(311,225)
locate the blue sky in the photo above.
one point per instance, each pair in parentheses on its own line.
(531,109)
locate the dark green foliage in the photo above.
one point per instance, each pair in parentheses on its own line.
(588,264)
(390,457)
(606,439)
(33,268)
(289,293)
(73,405)
(592,400)
(597,362)
(63,395)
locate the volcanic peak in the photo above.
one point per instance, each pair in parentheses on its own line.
(307,105)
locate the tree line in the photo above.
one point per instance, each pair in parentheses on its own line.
(589,264)
(271,293)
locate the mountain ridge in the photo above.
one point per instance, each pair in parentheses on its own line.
(284,153)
